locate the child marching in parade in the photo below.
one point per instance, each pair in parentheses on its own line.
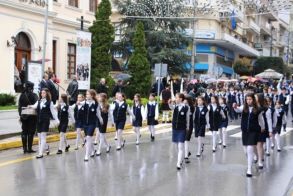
(215,117)
(152,115)
(64,113)
(79,117)
(201,123)
(224,122)
(138,112)
(190,103)
(119,118)
(180,123)
(252,123)
(267,116)
(45,110)
(104,110)
(280,121)
(92,114)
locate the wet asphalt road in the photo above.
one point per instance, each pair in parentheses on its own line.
(148,169)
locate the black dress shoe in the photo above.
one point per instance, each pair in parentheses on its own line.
(268,154)
(25,151)
(93,155)
(98,154)
(260,167)
(178,168)
(95,143)
(248,175)
(255,161)
(67,148)
(118,149)
(279,150)
(31,151)
(39,156)
(224,146)
(189,154)
(59,152)
(187,160)
(152,138)
(202,148)
(86,159)
(214,150)
(123,144)
(198,155)
(48,150)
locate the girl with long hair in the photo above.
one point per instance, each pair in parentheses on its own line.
(138,112)
(104,108)
(92,115)
(201,123)
(215,116)
(252,123)
(64,113)
(45,110)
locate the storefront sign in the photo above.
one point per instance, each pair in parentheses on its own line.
(201,34)
(83,59)
(40,3)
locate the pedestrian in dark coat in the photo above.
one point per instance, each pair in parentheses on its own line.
(28,122)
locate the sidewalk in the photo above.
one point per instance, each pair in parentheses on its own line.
(9,124)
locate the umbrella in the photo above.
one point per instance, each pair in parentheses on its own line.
(193,81)
(244,77)
(226,80)
(122,76)
(211,80)
(270,74)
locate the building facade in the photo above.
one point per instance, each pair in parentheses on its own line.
(22,36)
(235,30)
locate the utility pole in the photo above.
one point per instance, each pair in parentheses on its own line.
(193,54)
(45,35)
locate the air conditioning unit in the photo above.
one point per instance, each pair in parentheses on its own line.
(224,15)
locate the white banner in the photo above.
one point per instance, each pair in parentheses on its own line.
(83,59)
(34,75)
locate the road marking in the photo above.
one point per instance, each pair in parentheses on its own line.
(164,128)
(16,161)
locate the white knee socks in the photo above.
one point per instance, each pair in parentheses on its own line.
(278,142)
(137,131)
(43,142)
(220,136)
(180,154)
(88,147)
(186,151)
(268,145)
(78,137)
(224,136)
(250,154)
(97,135)
(119,138)
(199,145)
(103,141)
(214,139)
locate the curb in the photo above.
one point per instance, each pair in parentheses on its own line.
(3,111)
(52,138)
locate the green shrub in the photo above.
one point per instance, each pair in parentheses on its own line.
(7,99)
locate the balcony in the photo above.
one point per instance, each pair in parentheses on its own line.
(238,46)
(252,26)
(265,29)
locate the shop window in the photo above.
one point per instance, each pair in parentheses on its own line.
(71,60)
(73,3)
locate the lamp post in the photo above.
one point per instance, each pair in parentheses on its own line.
(45,35)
